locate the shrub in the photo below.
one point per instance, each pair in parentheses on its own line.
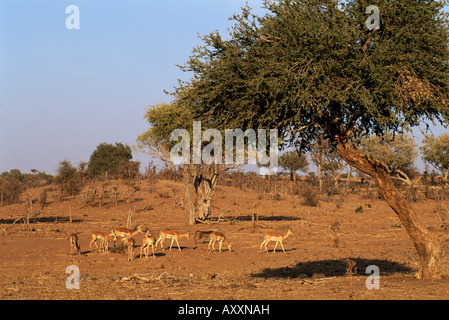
(310,197)
(10,191)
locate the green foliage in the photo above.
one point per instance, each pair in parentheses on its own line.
(68,179)
(14,174)
(359,209)
(10,190)
(398,152)
(163,119)
(14,182)
(315,67)
(293,162)
(66,171)
(436,152)
(107,157)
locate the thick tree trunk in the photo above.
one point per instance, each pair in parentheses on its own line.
(204,183)
(190,208)
(428,249)
(204,209)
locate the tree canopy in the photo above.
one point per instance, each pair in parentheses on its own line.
(107,157)
(436,152)
(315,67)
(292,161)
(398,152)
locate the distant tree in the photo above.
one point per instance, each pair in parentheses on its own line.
(327,161)
(68,179)
(164,118)
(42,178)
(436,152)
(82,169)
(292,161)
(107,157)
(129,169)
(398,152)
(14,174)
(10,190)
(66,171)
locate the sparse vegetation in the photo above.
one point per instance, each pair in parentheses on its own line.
(150,208)
(359,209)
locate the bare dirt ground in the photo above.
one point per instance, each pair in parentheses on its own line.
(33,263)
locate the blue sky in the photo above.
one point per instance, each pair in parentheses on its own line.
(62,92)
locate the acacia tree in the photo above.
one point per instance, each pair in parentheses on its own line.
(327,161)
(318,155)
(292,161)
(397,152)
(164,119)
(436,152)
(312,67)
(107,157)
(67,178)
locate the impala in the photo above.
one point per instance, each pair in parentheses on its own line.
(147,241)
(104,238)
(220,237)
(202,234)
(131,244)
(173,235)
(276,237)
(74,245)
(120,232)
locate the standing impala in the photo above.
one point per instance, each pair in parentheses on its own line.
(125,232)
(173,235)
(104,241)
(276,237)
(131,244)
(220,237)
(147,241)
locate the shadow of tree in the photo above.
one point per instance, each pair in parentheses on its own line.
(332,268)
(41,220)
(266,218)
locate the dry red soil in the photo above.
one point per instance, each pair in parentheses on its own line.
(33,263)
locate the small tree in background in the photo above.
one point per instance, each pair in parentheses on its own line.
(397,152)
(164,118)
(14,174)
(292,161)
(436,152)
(11,187)
(82,169)
(129,170)
(68,179)
(107,157)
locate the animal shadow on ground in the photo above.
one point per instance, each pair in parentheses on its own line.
(332,268)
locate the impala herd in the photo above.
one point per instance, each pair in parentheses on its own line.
(126,235)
